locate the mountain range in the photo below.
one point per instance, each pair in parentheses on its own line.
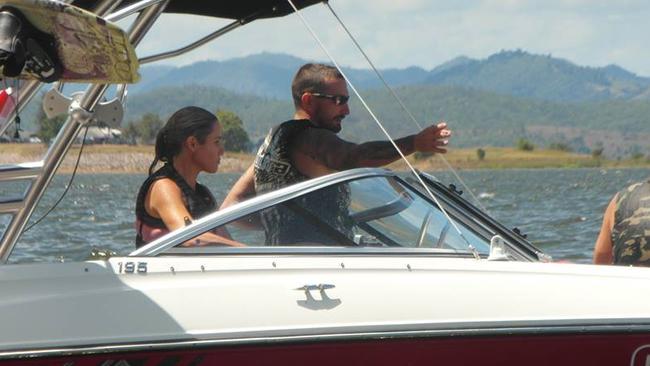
(516,73)
(492,101)
(478,118)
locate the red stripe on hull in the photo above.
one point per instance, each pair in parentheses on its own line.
(609,349)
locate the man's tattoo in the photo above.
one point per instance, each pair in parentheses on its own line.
(384,150)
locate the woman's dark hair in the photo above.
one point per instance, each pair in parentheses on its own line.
(186,122)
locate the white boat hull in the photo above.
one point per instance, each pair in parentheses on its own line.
(304,303)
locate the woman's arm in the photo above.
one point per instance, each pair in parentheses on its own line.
(164,201)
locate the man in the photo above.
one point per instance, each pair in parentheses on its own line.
(308,146)
(624,237)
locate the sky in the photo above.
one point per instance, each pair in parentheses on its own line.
(427,33)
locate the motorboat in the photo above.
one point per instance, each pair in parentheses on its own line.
(399,269)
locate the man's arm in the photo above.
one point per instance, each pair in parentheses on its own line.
(603,247)
(243,188)
(320,150)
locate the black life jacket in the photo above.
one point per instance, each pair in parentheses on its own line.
(313,219)
(273,166)
(199,203)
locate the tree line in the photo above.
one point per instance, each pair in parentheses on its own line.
(143,131)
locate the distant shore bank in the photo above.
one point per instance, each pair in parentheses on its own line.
(135,159)
(132,159)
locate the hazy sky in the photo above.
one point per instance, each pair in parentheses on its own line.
(426,33)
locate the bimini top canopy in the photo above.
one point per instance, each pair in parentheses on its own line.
(232,9)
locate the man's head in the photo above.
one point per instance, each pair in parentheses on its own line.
(320,92)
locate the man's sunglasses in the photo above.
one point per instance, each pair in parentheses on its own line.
(337,99)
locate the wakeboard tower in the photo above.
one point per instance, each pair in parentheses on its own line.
(52,41)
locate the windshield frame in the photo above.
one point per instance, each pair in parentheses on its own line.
(167,245)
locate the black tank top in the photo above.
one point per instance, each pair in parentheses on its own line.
(302,220)
(631,231)
(199,202)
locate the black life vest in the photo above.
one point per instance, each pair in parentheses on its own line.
(199,203)
(318,218)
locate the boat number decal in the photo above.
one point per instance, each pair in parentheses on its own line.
(132,267)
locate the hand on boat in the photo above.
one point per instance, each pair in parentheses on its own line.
(433,139)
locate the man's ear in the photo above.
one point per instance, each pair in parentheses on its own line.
(306,102)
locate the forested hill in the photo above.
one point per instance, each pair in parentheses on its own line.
(523,74)
(494,101)
(265,74)
(478,118)
(515,73)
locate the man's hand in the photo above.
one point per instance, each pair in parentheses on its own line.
(432,139)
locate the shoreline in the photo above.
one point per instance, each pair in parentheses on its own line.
(135,159)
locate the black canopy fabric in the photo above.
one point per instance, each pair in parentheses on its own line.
(246,10)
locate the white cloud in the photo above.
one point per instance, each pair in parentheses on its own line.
(429,32)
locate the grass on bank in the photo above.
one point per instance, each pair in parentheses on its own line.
(512,158)
(136,159)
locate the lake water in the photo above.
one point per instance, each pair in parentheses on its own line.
(559,209)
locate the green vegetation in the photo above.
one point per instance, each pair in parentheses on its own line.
(477,118)
(511,72)
(136,159)
(597,152)
(480,154)
(234,135)
(144,130)
(525,145)
(489,102)
(422,155)
(513,158)
(49,127)
(637,156)
(544,77)
(258,114)
(560,146)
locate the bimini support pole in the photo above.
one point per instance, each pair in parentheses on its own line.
(218,33)
(80,114)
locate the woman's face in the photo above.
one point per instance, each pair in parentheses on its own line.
(208,154)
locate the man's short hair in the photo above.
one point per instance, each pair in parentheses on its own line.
(311,78)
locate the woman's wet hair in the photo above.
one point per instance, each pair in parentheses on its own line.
(186,122)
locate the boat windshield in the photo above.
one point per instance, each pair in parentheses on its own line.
(379,211)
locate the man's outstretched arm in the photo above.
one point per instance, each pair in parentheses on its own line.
(379,153)
(337,154)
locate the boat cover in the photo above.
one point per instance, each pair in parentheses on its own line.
(233,9)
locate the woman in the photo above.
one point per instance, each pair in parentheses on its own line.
(170,198)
